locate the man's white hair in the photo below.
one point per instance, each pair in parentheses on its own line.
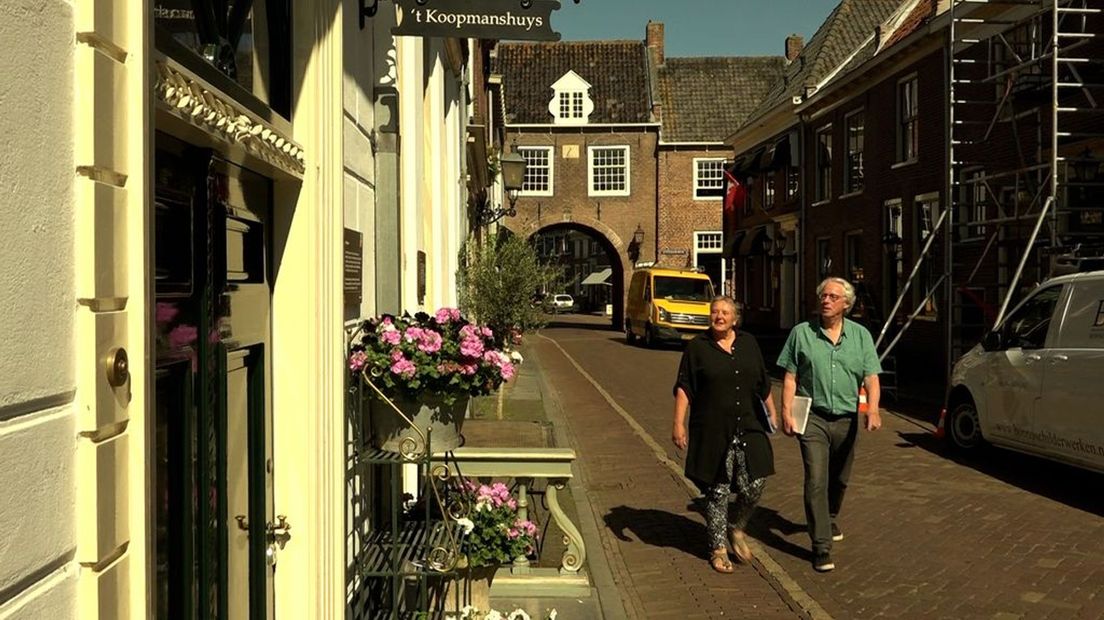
(848,289)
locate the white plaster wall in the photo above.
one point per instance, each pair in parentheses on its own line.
(359,119)
(412,168)
(51,597)
(36,202)
(37,532)
(37,377)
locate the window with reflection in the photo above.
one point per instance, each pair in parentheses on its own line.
(249,41)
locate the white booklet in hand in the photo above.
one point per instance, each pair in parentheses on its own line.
(800,411)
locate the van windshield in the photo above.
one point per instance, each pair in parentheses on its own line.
(683,289)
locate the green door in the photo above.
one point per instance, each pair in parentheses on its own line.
(216,534)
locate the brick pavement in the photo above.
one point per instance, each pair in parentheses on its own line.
(999,535)
(656,542)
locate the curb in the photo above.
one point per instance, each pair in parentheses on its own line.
(609,597)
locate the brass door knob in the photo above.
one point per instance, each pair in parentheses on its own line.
(118,367)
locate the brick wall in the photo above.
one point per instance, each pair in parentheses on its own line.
(680,214)
(612,218)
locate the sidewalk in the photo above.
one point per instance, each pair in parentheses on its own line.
(522,416)
(650,532)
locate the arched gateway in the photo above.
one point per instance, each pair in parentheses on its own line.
(617,250)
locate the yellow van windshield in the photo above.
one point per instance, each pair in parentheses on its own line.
(683,289)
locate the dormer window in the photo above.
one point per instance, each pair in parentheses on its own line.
(571,103)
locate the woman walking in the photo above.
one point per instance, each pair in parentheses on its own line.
(723,381)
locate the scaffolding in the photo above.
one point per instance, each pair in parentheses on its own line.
(1025,135)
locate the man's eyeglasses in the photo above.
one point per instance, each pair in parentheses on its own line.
(831,296)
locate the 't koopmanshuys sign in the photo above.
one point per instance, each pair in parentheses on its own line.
(477,19)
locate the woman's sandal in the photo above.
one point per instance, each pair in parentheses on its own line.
(720,563)
(740,547)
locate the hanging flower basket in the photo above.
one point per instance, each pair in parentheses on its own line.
(420,373)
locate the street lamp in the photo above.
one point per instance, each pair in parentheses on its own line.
(513,178)
(634,245)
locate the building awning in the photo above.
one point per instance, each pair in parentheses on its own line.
(779,154)
(732,243)
(598,277)
(755,242)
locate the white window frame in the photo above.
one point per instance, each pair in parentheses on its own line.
(698,161)
(849,183)
(902,156)
(591,191)
(571,102)
(822,186)
(710,242)
(551,151)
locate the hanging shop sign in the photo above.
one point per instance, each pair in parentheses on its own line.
(477,19)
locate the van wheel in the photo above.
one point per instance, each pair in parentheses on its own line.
(964,427)
(649,337)
(630,337)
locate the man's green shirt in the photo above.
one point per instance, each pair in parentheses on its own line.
(829,373)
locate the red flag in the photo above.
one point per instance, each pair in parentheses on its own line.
(734,197)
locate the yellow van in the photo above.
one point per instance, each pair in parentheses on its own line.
(667,305)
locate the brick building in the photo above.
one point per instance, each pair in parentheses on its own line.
(580,113)
(773,149)
(700,101)
(907,110)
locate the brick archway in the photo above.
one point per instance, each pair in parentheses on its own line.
(615,248)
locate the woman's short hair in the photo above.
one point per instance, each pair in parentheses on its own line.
(848,289)
(737,308)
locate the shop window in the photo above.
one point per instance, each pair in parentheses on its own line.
(251,47)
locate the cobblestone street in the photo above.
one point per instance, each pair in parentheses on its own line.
(1000,535)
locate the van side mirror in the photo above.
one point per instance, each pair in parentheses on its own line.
(992,341)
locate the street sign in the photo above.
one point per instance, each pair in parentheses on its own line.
(477,19)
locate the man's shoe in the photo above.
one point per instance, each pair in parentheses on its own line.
(823,562)
(837,535)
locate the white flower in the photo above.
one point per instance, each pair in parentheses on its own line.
(467,524)
(493,615)
(482,505)
(515,357)
(518,614)
(552,615)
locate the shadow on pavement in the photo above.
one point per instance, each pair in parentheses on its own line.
(560,322)
(658,528)
(768,527)
(1056,481)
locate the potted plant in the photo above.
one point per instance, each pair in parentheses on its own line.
(494,534)
(421,371)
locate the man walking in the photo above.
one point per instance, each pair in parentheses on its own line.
(827,359)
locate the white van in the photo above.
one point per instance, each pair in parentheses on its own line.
(1036,383)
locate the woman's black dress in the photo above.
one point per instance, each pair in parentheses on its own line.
(723,389)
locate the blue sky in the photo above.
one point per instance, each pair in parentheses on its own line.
(696,27)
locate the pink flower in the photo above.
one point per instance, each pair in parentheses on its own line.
(444,315)
(182,336)
(396,355)
(357,361)
(391,337)
(413,334)
(469,369)
(430,342)
(487,333)
(471,347)
(404,368)
(507,371)
(166,312)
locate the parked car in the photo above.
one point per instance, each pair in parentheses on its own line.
(562,303)
(667,305)
(1033,384)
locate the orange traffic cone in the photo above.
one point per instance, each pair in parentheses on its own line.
(862,399)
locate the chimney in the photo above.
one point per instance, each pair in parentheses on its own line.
(794,45)
(654,41)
